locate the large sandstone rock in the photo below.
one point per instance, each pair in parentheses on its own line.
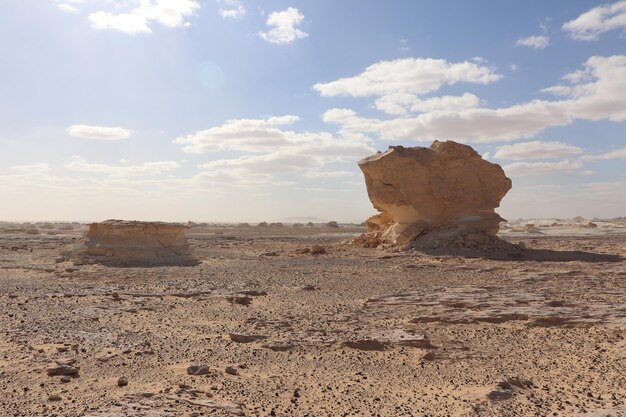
(137,243)
(446,187)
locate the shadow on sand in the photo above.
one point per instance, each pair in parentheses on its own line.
(548,255)
(507,251)
(119,264)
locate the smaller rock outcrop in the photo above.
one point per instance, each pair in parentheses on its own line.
(121,242)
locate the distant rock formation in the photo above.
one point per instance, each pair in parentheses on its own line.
(446,188)
(121,242)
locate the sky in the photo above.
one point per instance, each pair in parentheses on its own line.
(228,110)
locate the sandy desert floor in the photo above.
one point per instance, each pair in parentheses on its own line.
(352,332)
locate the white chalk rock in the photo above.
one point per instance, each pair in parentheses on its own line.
(419,190)
(137,243)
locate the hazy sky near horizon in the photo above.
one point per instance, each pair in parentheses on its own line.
(227,110)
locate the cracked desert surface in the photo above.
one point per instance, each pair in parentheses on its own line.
(261,326)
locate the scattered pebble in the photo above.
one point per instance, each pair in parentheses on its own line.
(198,370)
(63,370)
(245,338)
(240,299)
(317,250)
(231,371)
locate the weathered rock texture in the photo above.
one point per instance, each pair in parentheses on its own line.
(137,243)
(446,188)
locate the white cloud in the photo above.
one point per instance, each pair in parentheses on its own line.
(207,195)
(270,149)
(514,67)
(398,84)
(604,96)
(536,150)
(536,42)
(578,75)
(37,167)
(540,168)
(170,13)
(284,29)
(67,8)
(609,192)
(408,75)
(477,125)
(248,135)
(99,132)
(598,92)
(558,90)
(234,10)
(587,172)
(78,164)
(616,154)
(124,22)
(312,153)
(563,200)
(271,163)
(589,25)
(404,45)
(398,104)
(328,174)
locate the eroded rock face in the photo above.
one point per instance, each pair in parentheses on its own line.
(446,188)
(137,243)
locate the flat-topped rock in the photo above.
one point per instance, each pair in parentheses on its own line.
(419,190)
(137,243)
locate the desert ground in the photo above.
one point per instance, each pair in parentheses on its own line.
(263,327)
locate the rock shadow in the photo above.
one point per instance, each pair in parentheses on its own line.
(506,251)
(548,255)
(81,259)
(148,265)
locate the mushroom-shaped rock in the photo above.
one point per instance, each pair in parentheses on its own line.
(137,243)
(445,186)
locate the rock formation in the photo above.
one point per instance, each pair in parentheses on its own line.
(446,188)
(137,243)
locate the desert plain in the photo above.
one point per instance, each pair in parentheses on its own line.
(264,326)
